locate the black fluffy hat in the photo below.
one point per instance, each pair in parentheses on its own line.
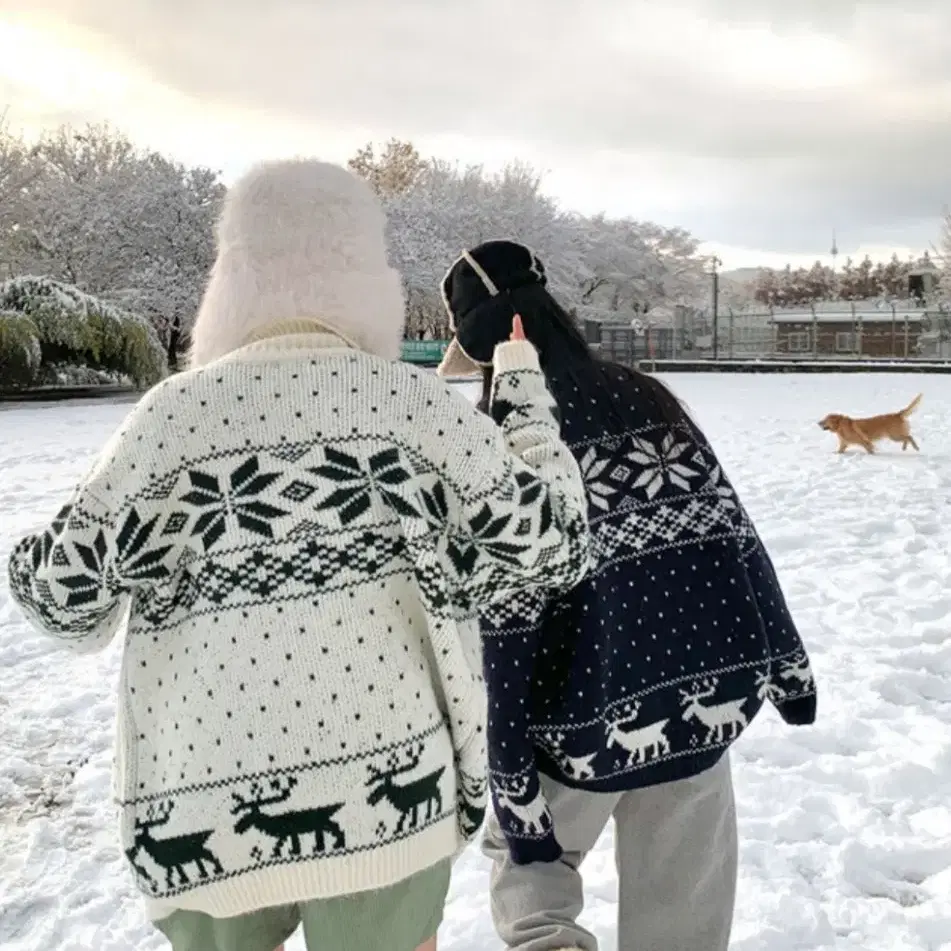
(482,292)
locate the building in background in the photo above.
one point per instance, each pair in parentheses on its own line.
(873,333)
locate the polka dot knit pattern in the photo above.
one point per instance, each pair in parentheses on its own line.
(648,670)
(300,534)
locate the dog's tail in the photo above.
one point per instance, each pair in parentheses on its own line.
(912,406)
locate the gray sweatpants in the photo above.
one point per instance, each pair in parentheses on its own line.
(676,856)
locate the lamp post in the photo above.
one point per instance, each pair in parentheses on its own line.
(715,262)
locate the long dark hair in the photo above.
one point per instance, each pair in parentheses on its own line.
(570,365)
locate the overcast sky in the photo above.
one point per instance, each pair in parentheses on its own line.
(756,127)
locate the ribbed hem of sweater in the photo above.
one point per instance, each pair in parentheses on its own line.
(320,877)
(654,773)
(515,355)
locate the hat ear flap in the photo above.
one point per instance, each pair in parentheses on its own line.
(456,362)
(444,292)
(482,329)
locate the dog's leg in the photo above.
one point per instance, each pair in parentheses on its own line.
(865,441)
(842,445)
(914,445)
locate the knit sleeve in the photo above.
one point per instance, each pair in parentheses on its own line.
(511,635)
(522,406)
(75,579)
(64,578)
(456,666)
(526,527)
(471,784)
(792,687)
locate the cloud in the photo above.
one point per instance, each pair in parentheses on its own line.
(754,122)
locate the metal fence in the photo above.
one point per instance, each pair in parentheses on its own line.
(883,333)
(819,333)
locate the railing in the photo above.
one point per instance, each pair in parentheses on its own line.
(880,334)
(850,333)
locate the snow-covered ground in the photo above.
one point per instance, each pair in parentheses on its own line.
(846,827)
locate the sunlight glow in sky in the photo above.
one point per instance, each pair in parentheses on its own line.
(54,72)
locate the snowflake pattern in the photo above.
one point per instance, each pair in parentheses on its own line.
(435,505)
(356,485)
(135,561)
(660,464)
(84,587)
(742,526)
(722,489)
(487,531)
(44,544)
(237,500)
(592,471)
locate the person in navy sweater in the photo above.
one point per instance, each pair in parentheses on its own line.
(622,698)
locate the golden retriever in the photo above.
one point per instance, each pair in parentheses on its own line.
(867,432)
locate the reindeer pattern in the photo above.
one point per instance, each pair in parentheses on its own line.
(470,803)
(577,767)
(631,739)
(641,742)
(410,798)
(288,827)
(194,837)
(172,854)
(723,721)
(798,671)
(280,822)
(532,813)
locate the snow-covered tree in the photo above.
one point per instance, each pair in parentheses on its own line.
(451,209)
(19,168)
(944,252)
(128,225)
(738,294)
(845,280)
(595,265)
(395,170)
(67,214)
(21,355)
(45,322)
(169,249)
(672,269)
(801,286)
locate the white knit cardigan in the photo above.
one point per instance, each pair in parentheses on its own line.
(301,534)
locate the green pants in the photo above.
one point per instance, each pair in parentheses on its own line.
(398,918)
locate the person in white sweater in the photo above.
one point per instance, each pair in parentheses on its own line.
(299,530)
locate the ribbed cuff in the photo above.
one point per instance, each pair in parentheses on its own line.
(800,711)
(515,355)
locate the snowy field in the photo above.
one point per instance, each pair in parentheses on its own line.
(845,827)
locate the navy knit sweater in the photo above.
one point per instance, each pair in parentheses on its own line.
(654,665)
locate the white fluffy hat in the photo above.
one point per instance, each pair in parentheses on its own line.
(300,240)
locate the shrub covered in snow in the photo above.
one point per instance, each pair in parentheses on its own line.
(20,352)
(44,322)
